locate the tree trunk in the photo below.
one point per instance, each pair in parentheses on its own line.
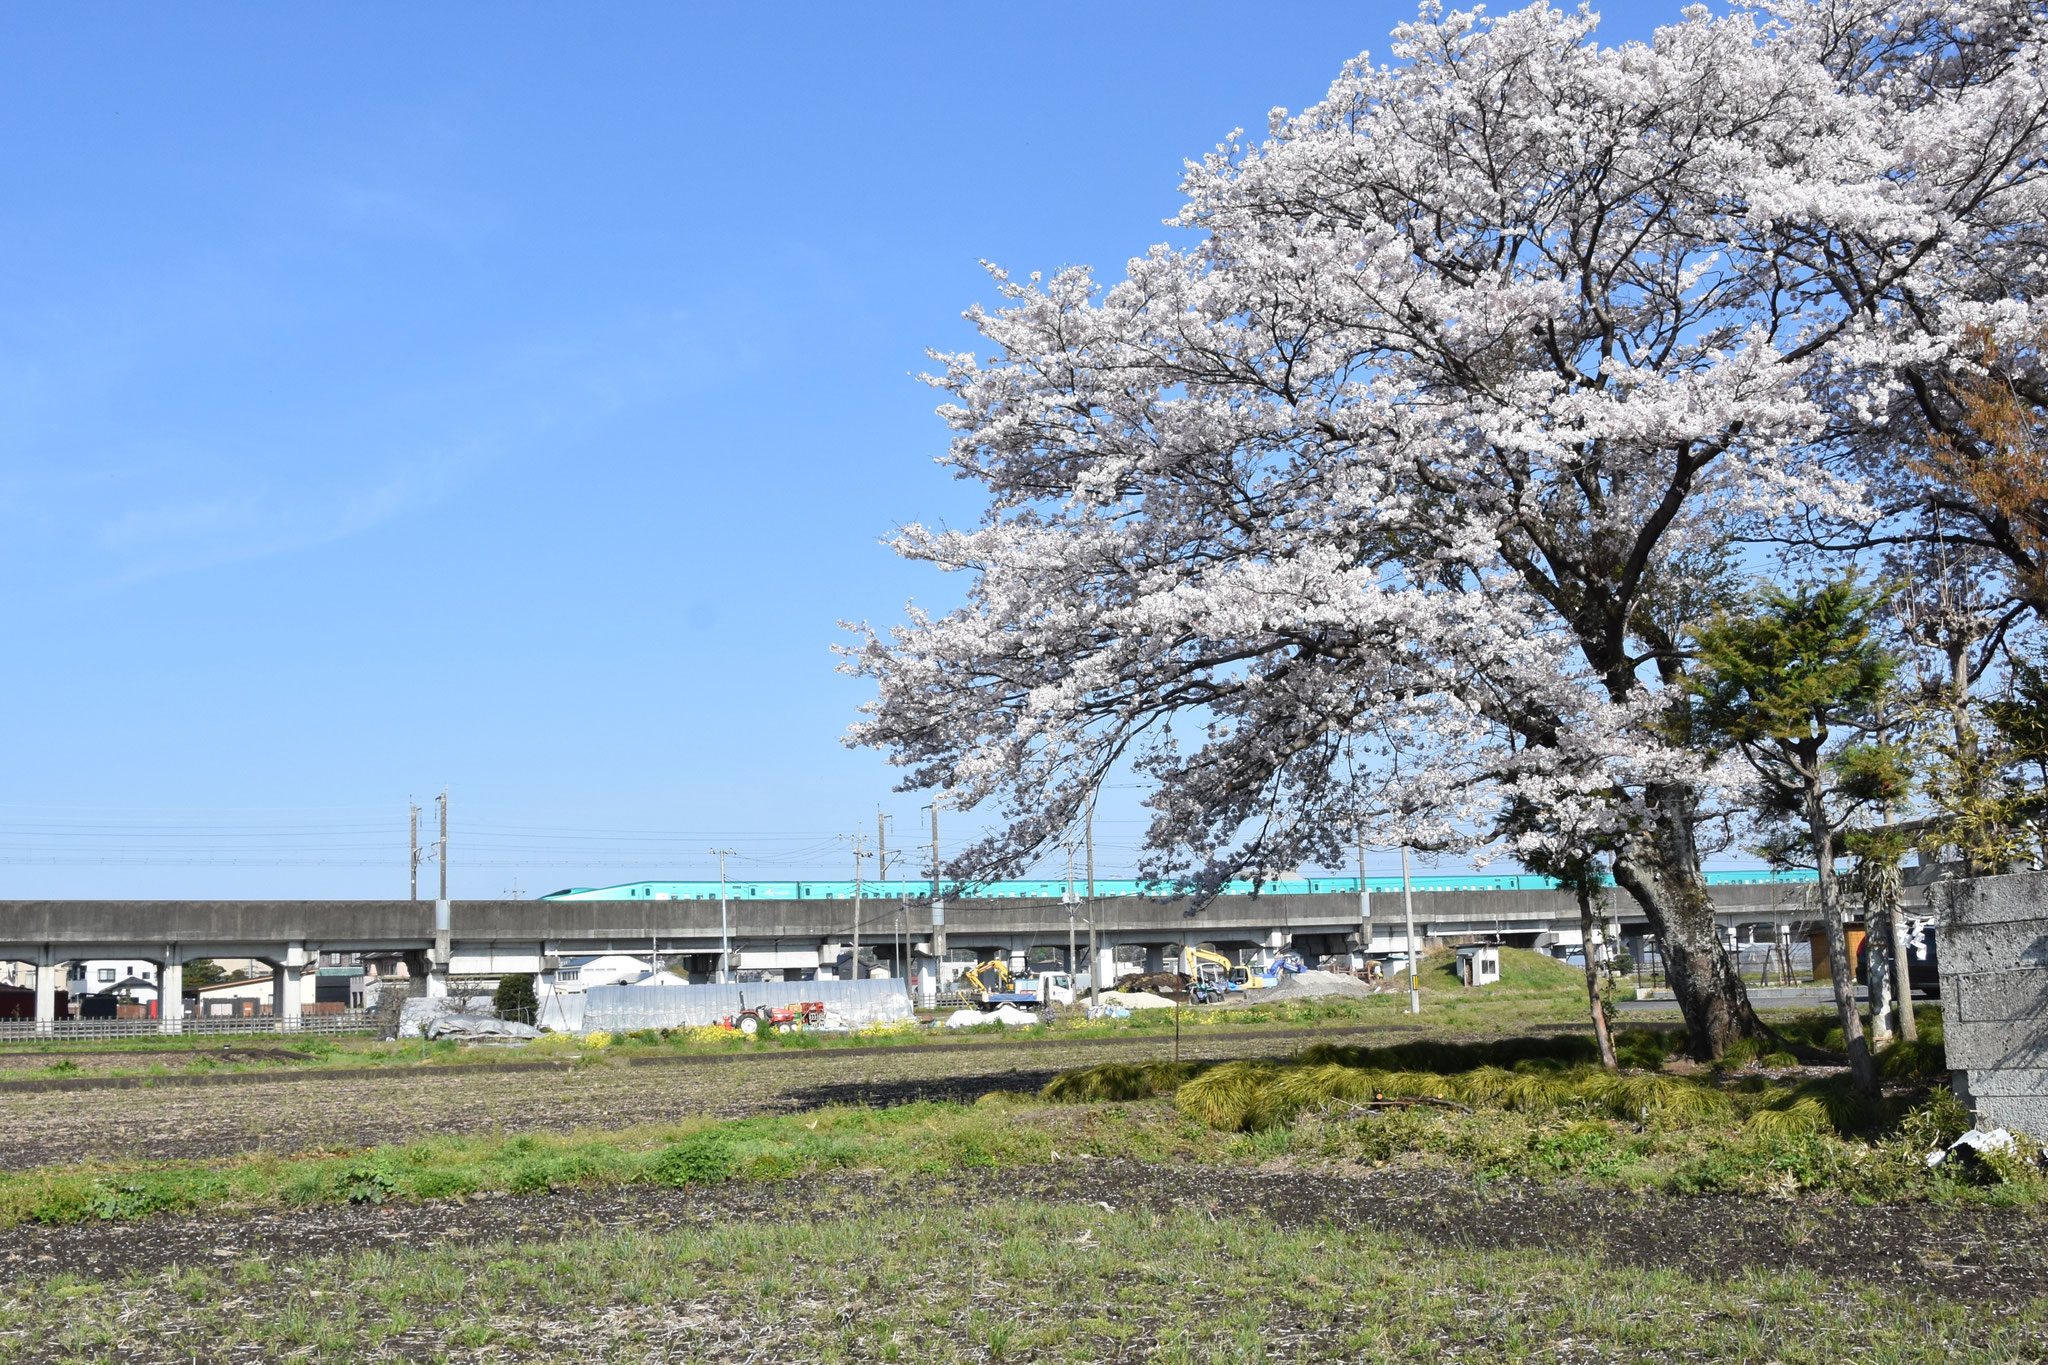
(1861,1069)
(1902,958)
(1659,866)
(1877,961)
(1586,931)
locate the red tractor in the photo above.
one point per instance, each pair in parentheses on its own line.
(780,1018)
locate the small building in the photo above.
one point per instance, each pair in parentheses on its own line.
(1479,965)
(100,976)
(233,999)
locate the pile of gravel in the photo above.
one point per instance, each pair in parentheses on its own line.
(1305,986)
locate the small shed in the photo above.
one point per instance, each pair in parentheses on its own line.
(1479,965)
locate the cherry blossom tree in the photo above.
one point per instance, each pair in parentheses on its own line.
(1387,502)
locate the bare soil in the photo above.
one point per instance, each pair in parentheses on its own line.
(1976,1255)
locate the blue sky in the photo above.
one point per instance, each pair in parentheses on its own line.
(511,398)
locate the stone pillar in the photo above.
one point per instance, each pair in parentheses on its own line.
(46,995)
(170,990)
(1992,935)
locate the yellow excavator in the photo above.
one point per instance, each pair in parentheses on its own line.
(1206,964)
(995,970)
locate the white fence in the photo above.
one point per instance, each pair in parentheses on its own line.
(29,1030)
(621,1009)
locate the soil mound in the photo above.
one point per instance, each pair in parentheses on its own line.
(1310,985)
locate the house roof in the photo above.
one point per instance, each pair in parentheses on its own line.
(126,983)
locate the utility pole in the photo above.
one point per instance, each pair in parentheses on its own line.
(413,869)
(1414,964)
(444,843)
(860,853)
(1094,940)
(1364,903)
(724,929)
(1073,904)
(881,846)
(938,900)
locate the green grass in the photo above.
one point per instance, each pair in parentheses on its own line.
(1521,973)
(1058,1284)
(1536,1107)
(916,1139)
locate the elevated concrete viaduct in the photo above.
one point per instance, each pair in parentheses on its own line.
(462,938)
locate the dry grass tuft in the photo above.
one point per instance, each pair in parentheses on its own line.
(1797,1119)
(1530,1076)
(1096,1084)
(1115,1081)
(1648,1096)
(1234,1097)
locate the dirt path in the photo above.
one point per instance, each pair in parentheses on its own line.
(1968,1254)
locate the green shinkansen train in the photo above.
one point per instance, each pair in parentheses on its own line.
(1055,889)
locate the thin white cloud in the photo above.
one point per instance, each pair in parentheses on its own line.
(177,509)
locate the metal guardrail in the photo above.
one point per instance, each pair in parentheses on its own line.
(30,1030)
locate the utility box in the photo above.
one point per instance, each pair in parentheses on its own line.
(1480,965)
(1993,946)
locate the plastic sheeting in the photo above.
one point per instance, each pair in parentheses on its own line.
(477,1026)
(621,1009)
(561,1011)
(418,1009)
(1009,1016)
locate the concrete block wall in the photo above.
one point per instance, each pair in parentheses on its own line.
(1993,939)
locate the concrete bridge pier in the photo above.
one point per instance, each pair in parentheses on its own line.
(437,960)
(287,986)
(47,970)
(171,991)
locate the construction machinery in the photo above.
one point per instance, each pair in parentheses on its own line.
(1257,975)
(1206,964)
(990,978)
(994,983)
